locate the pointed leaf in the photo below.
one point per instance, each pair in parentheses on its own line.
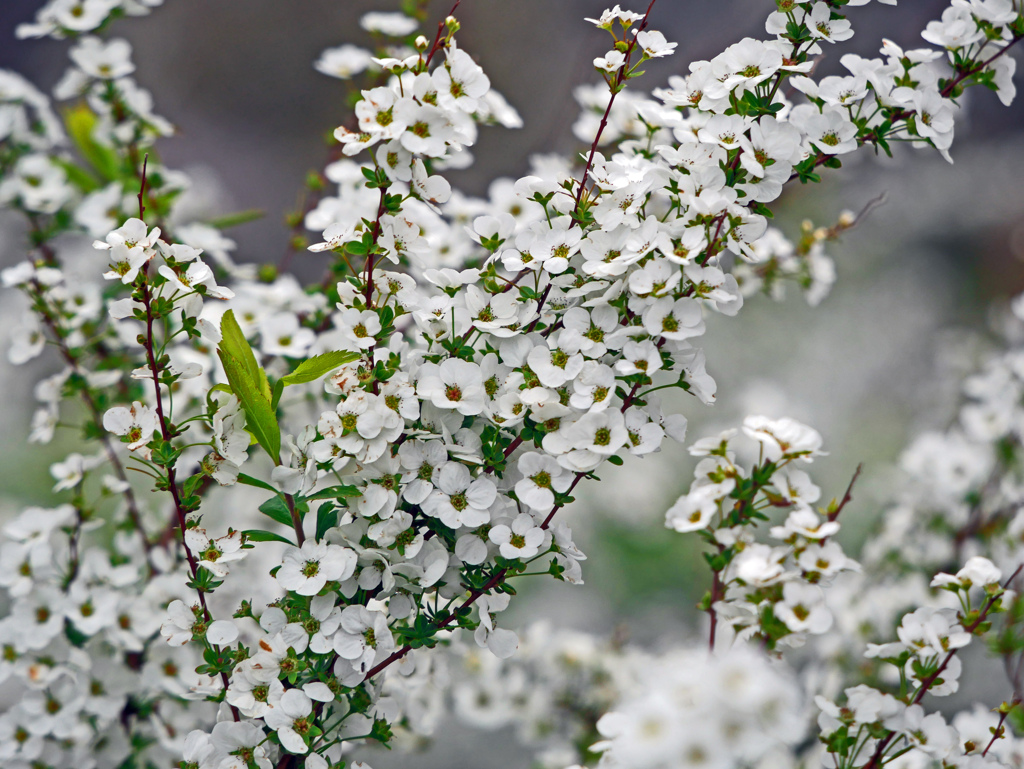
(248,480)
(233,342)
(260,419)
(257,535)
(336,492)
(315,367)
(80,122)
(276,509)
(326,518)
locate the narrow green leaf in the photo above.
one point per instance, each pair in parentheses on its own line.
(239,217)
(315,367)
(276,397)
(248,480)
(275,509)
(256,535)
(233,342)
(326,518)
(260,418)
(78,176)
(80,122)
(336,492)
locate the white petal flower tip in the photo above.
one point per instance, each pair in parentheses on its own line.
(221,632)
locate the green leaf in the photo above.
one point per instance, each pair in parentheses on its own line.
(276,509)
(276,397)
(78,176)
(80,122)
(315,367)
(240,217)
(233,342)
(257,535)
(336,492)
(326,518)
(248,480)
(260,419)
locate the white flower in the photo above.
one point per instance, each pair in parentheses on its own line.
(177,628)
(459,500)
(654,44)
(281,334)
(694,511)
(783,438)
(674,319)
(520,540)
(104,60)
(542,478)
(290,720)
(977,571)
(364,635)
(307,569)
(829,131)
(803,608)
(27,341)
(824,27)
(609,17)
(391,24)
(932,632)
(344,61)
(137,423)
(460,82)
(454,384)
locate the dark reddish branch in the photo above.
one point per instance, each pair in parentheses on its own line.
(848,496)
(716,595)
(998,732)
(620,77)
(142,186)
(948,89)
(376,237)
(165,432)
(440,34)
(946,92)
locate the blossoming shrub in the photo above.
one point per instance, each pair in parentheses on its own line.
(341,481)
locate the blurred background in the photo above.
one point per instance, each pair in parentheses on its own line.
(868,368)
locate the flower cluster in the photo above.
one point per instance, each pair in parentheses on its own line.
(343,473)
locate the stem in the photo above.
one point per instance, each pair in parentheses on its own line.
(999,731)
(296,521)
(165,432)
(848,496)
(369,256)
(716,594)
(440,35)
